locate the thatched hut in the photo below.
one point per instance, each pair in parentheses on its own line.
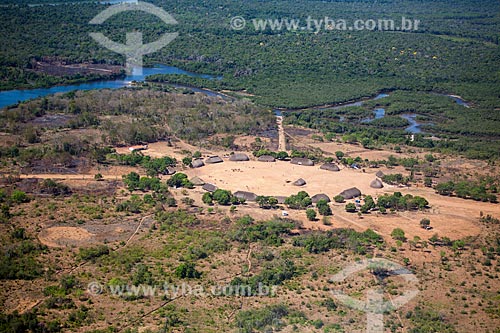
(248,196)
(330,167)
(376,183)
(198,163)
(169,171)
(350,193)
(213,160)
(299,182)
(302,161)
(320,196)
(266,158)
(281,199)
(209,187)
(197,181)
(380,174)
(239,157)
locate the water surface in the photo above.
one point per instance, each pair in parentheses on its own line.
(15,96)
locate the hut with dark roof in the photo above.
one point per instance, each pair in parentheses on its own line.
(302,161)
(376,183)
(197,181)
(198,163)
(330,167)
(380,174)
(281,199)
(169,171)
(266,158)
(209,187)
(320,196)
(350,193)
(213,160)
(248,196)
(239,157)
(299,182)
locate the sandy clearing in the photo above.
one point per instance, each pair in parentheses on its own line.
(276,178)
(63,236)
(451,217)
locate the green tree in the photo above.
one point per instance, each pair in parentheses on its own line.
(350,208)
(207,198)
(311,214)
(339,154)
(299,201)
(282,155)
(398,234)
(222,197)
(445,188)
(131,180)
(19,197)
(323,207)
(425,222)
(179,180)
(187,270)
(187,161)
(267,202)
(338,199)
(428,182)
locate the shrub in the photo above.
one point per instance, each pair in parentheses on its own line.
(267,202)
(299,201)
(19,197)
(311,214)
(323,208)
(187,270)
(425,222)
(207,198)
(91,253)
(398,234)
(179,180)
(318,242)
(267,319)
(339,199)
(350,208)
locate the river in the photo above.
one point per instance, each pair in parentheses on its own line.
(414,126)
(10,97)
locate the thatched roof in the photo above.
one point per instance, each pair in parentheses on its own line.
(380,174)
(209,187)
(169,171)
(248,196)
(238,157)
(213,160)
(350,193)
(266,158)
(320,196)
(330,167)
(198,163)
(197,181)
(299,182)
(376,183)
(302,161)
(281,199)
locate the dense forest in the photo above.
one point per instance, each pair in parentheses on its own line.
(455,50)
(473,131)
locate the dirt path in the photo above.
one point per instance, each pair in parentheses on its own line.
(137,229)
(281,134)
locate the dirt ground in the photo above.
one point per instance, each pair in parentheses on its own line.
(451,217)
(64,236)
